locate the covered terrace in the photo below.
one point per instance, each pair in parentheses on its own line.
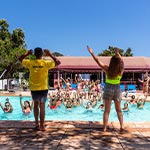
(86,64)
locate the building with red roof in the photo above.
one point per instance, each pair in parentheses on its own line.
(135,67)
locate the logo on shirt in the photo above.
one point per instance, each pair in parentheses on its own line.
(38,66)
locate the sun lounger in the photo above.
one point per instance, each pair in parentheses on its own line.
(11,91)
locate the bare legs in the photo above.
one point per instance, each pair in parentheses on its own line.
(107,112)
(36,112)
(42,115)
(119,113)
(39,106)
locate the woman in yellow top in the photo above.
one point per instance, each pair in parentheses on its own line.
(38,81)
(112,91)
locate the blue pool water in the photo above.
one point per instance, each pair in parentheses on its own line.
(75,114)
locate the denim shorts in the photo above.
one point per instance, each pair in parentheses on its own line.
(39,95)
(112,92)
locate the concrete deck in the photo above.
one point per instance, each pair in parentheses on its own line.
(61,135)
(69,135)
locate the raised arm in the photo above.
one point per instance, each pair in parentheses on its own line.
(144,100)
(11,107)
(118,54)
(21,102)
(83,103)
(63,79)
(25,55)
(140,80)
(103,66)
(32,104)
(49,101)
(94,104)
(2,107)
(75,78)
(48,53)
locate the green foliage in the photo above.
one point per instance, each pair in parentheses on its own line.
(4,33)
(128,52)
(17,38)
(12,45)
(57,54)
(110,52)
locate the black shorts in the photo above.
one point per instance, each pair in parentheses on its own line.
(39,95)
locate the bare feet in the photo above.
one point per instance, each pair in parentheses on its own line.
(37,128)
(123,130)
(42,128)
(104,129)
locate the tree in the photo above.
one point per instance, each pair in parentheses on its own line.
(18,38)
(110,52)
(57,54)
(12,45)
(128,52)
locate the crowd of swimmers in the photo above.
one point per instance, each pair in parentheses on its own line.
(88,94)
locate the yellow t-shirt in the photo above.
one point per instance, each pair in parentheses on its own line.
(38,79)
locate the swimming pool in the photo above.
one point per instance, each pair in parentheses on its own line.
(75,114)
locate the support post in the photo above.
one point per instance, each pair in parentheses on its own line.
(58,77)
(102,78)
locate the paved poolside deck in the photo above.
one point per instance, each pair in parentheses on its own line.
(64,135)
(72,135)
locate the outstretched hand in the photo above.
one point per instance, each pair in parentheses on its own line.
(7,99)
(30,52)
(116,50)
(90,50)
(47,52)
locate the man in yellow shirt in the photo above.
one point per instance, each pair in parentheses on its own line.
(38,81)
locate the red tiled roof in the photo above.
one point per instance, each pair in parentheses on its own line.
(88,63)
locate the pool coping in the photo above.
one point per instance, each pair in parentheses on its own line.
(70,124)
(28,93)
(59,135)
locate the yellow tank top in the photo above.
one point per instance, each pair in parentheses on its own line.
(113,81)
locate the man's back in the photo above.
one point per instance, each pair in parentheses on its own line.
(38,73)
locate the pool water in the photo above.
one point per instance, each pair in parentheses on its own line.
(78,113)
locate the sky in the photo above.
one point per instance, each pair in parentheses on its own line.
(68,26)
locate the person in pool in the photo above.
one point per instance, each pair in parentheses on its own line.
(27,106)
(141,102)
(8,107)
(88,106)
(52,103)
(101,107)
(133,100)
(126,107)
